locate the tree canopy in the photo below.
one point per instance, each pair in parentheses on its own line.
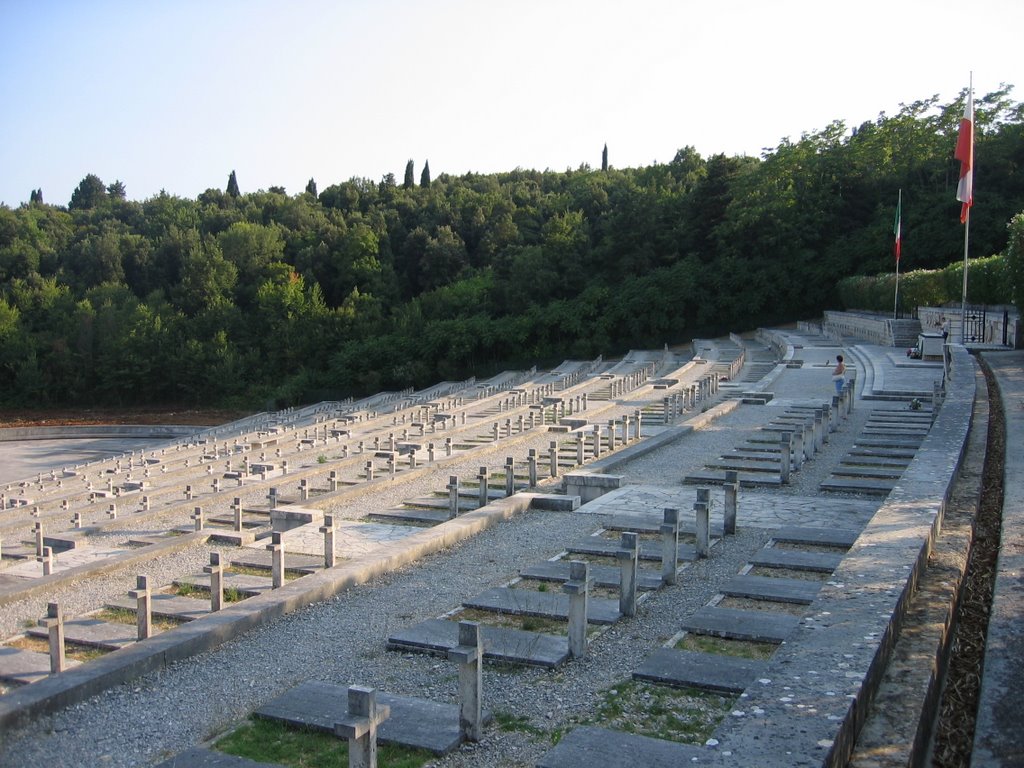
(264,298)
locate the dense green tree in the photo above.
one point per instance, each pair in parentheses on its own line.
(409,176)
(232,188)
(116,190)
(36,196)
(425,175)
(89,193)
(604,159)
(311,187)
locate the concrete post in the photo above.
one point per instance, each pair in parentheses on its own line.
(577,587)
(216,571)
(628,554)
(360,726)
(143,607)
(469,655)
(276,548)
(37,529)
(785,451)
(553,458)
(47,560)
(798,447)
(197,518)
(482,476)
(531,467)
(701,510)
(369,471)
(54,624)
(328,530)
(453,496)
(597,441)
(669,545)
(732,489)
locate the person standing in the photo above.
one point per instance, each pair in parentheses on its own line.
(839,374)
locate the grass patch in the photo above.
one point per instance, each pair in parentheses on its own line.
(767,606)
(124,616)
(514,621)
(508,722)
(744,649)
(81,653)
(789,573)
(270,742)
(685,715)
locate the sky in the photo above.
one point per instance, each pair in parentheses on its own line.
(174,95)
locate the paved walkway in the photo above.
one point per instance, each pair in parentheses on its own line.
(998,737)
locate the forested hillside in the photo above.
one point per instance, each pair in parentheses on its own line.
(244,298)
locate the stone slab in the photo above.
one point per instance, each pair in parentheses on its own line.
(876,486)
(738,624)
(603,575)
(783,590)
(246,584)
(796,560)
(197,757)
(829,537)
(417,723)
(108,635)
(893,453)
(882,473)
(873,441)
(551,605)
(501,644)
(708,671)
(651,523)
(599,546)
(20,666)
(262,558)
(855,460)
(167,606)
(593,746)
(747,479)
(413,515)
(743,465)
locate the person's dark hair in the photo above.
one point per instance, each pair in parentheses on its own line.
(839,358)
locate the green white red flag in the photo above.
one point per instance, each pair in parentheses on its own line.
(897,228)
(965,154)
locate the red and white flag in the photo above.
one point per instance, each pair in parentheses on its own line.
(897,228)
(965,154)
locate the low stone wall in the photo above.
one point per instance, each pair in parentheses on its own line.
(872,328)
(94,431)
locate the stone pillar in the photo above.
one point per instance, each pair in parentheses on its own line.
(785,451)
(798,447)
(303,490)
(625,429)
(553,458)
(37,529)
(580,447)
(360,726)
(430,453)
(702,543)
(628,555)
(369,471)
(332,480)
(76,519)
(453,496)
(638,416)
(54,624)
(669,545)
(143,607)
(482,476)
(216,571)
(392,466)
(112,511)
(47,560)
(197,518)
(510,476)
(531,467)
(611,434)
(732,489)
(577,587)
(597,441)
(188,493)
(328,530)
(276,548)
(272,498)
(469,655)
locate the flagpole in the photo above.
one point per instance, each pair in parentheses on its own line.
(963,295)
(899,235)
(967,201)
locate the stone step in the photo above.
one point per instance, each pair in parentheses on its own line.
(876,487)
(408,515)
(651,523)
(246,584)
(501,644)
(738,624)
(872,441)
(874,461)
(200,757)
(747,479)
(107,635)
(20,666)
(598,546)
(769,465)
(593,746)
(264,560)
(549,605)
(413,722)
(707,671)
(852,471)
(603,575)
(830,537)
(796,560)
(167,606)
(894,453)
(782,590)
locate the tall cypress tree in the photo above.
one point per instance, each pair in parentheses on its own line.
(311,187)
(233,190)
(425,176)
(410,179)
(604,158)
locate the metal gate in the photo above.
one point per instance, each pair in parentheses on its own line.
(974,325)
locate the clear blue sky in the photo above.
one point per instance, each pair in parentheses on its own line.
(174,95)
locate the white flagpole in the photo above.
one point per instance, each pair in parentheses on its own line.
(899,244)
(967,228)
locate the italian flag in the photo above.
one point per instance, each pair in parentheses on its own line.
(897,227)
(965,154)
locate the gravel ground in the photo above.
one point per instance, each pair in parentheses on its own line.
(342,640)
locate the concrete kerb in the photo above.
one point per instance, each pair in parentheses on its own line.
(90,432)
(58,691)
(812,704)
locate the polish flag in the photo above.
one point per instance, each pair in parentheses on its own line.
(897,228)
(965,154)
